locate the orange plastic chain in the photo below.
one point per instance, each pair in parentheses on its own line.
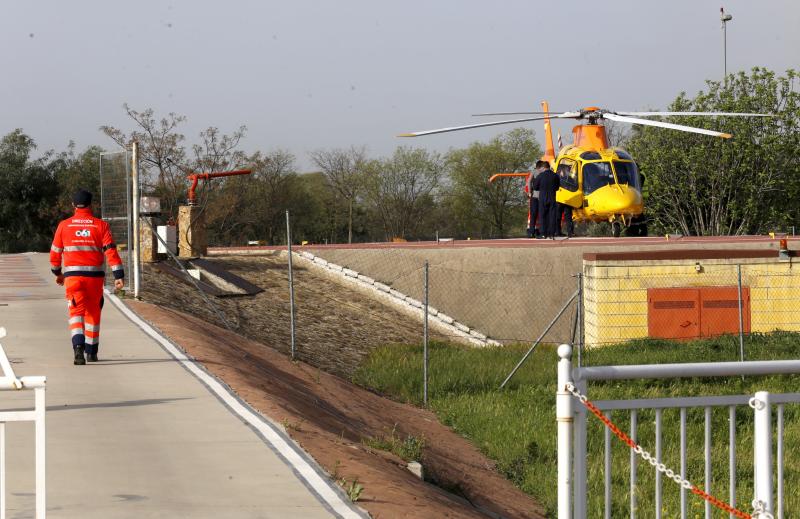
(647,457)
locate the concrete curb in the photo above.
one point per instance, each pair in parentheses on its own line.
(407,304)
(308,471)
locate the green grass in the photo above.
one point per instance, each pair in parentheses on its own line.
(409,449)
(516,427)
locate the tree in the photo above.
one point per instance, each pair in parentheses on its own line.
(161,154)
(749,184)
(163,158)
(29,194)
(401,189)
(344,170)
(73,172)
(479,205)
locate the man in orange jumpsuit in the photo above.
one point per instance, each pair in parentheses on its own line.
(80,242)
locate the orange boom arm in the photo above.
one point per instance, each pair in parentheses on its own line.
(498,175)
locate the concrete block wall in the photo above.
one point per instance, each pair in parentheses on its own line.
(615,292)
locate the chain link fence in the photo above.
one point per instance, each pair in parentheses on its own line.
(690,300)
(350,299)
(115,206)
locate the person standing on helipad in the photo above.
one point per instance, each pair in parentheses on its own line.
(79,243)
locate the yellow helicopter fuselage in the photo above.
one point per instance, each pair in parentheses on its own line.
(601,183)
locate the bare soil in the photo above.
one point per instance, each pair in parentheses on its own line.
(330,417)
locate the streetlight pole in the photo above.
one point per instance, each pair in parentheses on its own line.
(724,18)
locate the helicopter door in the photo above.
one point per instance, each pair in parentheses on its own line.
(569,193)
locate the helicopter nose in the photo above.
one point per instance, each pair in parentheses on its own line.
(619,199)
(627,199)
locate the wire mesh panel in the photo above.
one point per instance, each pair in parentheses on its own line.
(115,205)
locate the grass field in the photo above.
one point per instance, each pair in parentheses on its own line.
(516,427)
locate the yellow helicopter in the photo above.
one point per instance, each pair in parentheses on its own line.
(601,183)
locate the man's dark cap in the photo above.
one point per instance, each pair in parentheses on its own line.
(82,198)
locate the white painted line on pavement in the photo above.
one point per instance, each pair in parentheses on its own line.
(282,445)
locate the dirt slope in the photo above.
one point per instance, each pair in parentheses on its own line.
(329,417)
(336,327)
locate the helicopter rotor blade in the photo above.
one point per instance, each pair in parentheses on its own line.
(565,115)
(661,124)
(733,114)
(457,128)
(513,113)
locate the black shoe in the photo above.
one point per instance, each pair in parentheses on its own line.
(79,359)
(91,357)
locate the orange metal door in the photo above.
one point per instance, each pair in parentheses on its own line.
(719,310)
(673,313)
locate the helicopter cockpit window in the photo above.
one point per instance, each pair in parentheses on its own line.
(596,175)
(623,155)
(568,174)
(590,155)
(627,173)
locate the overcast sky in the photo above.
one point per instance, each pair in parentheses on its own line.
(305,75)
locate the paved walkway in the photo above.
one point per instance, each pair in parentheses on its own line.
(137,434)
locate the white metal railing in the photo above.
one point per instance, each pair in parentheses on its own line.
(10,382)
(572,421)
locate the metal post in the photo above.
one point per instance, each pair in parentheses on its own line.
(41,490)
(779,461)
(579,503)
(659,489)
(725,47)
(535,344)
(135,216)
(683,463)
(607,471)
(425,343)
(564,418)
(707,456)
(634,460)
(291,278)
(2,470)
(579,318)
(762,450)
(732,457)
(741,318)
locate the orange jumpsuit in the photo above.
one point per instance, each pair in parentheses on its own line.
(79,243)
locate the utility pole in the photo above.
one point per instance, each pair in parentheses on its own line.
(724,18)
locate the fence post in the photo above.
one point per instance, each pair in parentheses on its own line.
(291,279)
(135,216)
(741,318)
(564,418)
(762,453)
(579,318)
(425,342)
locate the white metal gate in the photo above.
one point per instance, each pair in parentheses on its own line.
(10,382)
(572,435)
